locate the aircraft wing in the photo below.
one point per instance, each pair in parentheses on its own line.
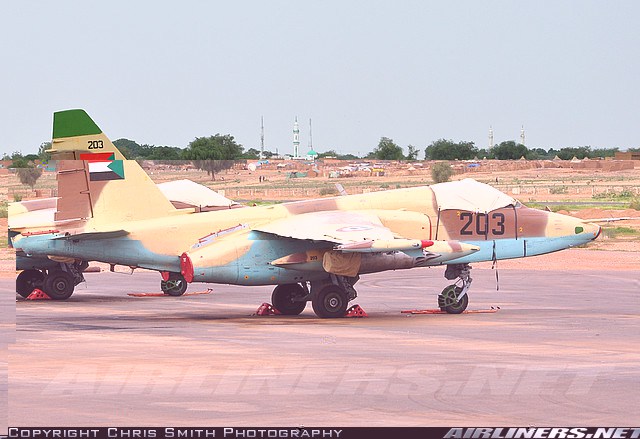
(361,243)
(351,242)
(335,226)
(357,232)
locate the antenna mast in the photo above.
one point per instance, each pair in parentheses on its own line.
(490,137)
(261,137)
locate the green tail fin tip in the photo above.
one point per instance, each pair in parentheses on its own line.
(72,123)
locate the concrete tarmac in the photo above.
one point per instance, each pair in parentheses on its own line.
(562,350)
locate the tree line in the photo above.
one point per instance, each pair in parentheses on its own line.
(224,147)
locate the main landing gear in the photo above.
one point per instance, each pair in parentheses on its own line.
(454,299)
(331,296)
(328,297)
(57,283)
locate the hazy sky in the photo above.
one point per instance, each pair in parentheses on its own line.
(163,72)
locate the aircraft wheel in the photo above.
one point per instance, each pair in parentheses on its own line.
(27,281)
(284,299)
(59,285)
(330,302)
(175,286)
(447,300)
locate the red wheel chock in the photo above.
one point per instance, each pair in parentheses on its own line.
(356,311)
(38,294)
(439,311)
(266,309)
(194,293)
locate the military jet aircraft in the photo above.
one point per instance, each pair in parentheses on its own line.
(110,211)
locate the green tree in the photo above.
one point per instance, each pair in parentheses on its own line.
(552,153)
(348,157)
(165,153)
(18,161)
(251,154)
(441,172)
(29,175)
(42,151)
(387,150)
(330,153)
(509,150)
(214,153)
(538,153)
(449,150)
(412,153)
(604,152)
(128,148)
(580,152)
(334,154)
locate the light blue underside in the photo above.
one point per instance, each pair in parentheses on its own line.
(518,248)
(254,267)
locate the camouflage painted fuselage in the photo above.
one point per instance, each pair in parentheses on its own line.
(231,246)
(110,211)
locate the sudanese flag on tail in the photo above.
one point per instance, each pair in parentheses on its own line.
(105,171)
(103,167)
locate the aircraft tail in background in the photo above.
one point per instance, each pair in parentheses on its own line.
(95,182)
(75,133)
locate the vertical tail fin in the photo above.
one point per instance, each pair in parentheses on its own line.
(97,184)
(75,133)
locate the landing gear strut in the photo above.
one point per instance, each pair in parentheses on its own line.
(176,285)
(454,299)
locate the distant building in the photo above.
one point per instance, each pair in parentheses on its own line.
(312,155)
(627,155)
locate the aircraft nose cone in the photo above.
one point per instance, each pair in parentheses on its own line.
(588,230)
(596,230)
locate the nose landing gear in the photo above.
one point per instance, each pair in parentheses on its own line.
(454,299)
(175,285)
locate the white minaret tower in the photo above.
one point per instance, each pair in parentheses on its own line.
(490,137)
(522,135)
(310,136)
(296,138)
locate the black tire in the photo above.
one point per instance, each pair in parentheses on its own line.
(284,299)
(447,300)
(27,281)
(330,302)
(175,286)
(59,285)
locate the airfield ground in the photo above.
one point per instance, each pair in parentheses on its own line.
(561,350)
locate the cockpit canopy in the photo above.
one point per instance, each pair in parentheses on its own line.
(470,195)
